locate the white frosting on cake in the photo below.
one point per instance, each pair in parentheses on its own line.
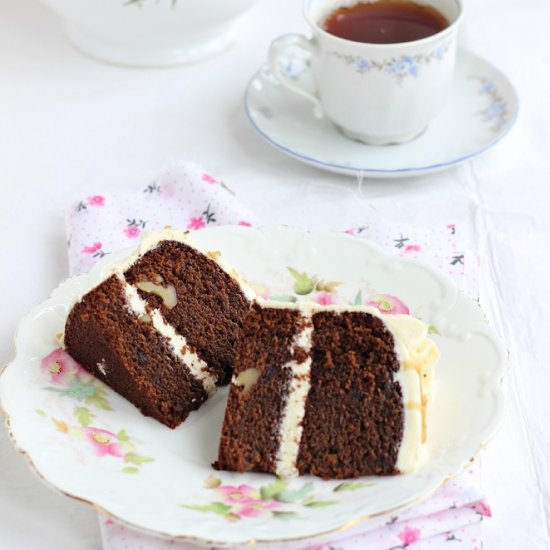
(178,344)
(290,430)
(417,355)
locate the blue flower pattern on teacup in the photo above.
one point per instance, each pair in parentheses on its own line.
(295,63)
(362,65)
(405,65)
(439,53)
(400,67)
(292,68)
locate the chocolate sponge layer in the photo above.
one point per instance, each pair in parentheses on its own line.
(130,356)
(353,425)
(210,304)
(105,336)
(250,435)
(354,414)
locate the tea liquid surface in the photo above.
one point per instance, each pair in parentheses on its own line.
(385,22)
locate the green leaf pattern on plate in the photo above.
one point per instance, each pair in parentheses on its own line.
(303,283)
(277,499)
(71,381)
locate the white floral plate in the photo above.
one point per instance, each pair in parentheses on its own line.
(482,108)
(92,444)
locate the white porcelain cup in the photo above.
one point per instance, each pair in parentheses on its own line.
(375,93)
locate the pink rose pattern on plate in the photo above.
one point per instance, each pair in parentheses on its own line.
(325,298)
(325,293)
(62,368)
(387,304)
(72,381)
(277,500)
(449,516)
(103,442)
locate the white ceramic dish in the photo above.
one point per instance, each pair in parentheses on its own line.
(151,32)
(92,444)
(482,108)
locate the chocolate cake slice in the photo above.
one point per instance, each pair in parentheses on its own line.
(162,327)
(336,392)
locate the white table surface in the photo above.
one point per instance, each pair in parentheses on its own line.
(70,126)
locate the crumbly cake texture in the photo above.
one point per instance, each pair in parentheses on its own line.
(344,396)
(130,356)
(254,410)
(353,424)
(161,329)
(209,307)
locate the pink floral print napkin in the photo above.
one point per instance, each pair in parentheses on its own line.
(186,196)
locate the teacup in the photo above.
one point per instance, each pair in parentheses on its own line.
(375,93)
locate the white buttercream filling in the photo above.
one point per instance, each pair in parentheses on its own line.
(290,430)
(178,344)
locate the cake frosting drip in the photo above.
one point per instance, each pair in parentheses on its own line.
(418,355)
(178,344)
(290,431)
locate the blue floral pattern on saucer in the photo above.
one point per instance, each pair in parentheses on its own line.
(496,113)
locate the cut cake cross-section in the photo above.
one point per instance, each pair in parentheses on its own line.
(336,392)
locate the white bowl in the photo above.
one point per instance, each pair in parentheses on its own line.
(151,32)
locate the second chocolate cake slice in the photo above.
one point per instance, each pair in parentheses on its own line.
(336,392)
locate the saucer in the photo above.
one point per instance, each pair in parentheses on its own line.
(482,108)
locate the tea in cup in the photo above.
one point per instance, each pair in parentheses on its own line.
(382,70)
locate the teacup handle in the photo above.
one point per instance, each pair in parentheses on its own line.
(281,46)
